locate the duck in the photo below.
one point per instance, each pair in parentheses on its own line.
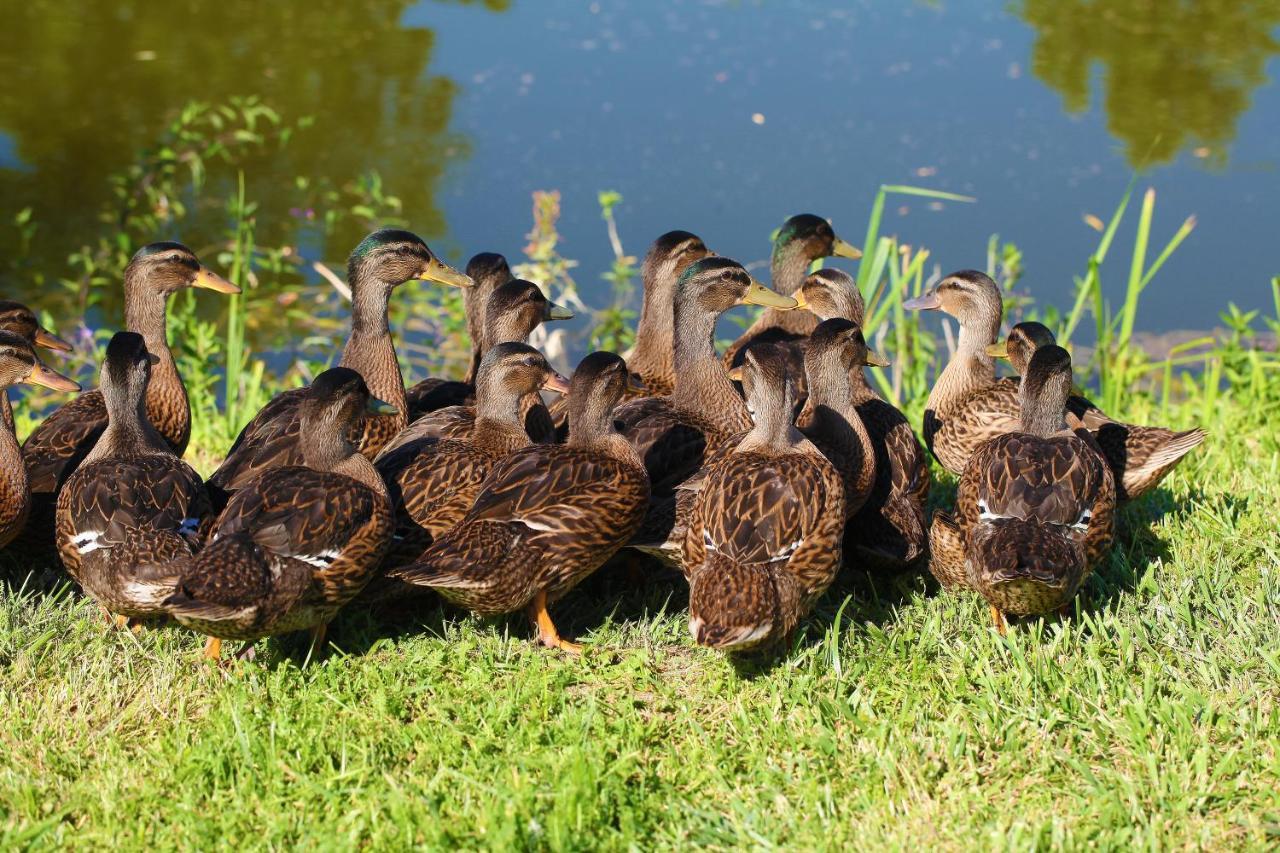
(433,482)
(297,542)
(764,536)
(56,447)
(830,419)
(954,426)
(1035,507)
(383,261)
(489,271)
(890,533)
(132,509)
(969,405)
(677,434)
(652,359)
(513,311)
(547,515)
(1139,456)
(22,321)
(19,364)
(802,239)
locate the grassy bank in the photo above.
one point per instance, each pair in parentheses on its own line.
(898,718)
(1149,717)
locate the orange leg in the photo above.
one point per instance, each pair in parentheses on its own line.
(998,618)
(213,649)
(540,620)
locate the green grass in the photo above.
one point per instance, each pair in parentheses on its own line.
(899,717)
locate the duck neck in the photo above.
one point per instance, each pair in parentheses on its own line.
(473,309)
(6,410)
(13,474)
(860,390)
(969,369)
(787,269)
(370,350)
(498,419)
(129,433)
(772,432)
(841,398)
(655,345)
(591,428)
(360,469)
(145,312)
(702,383)
(1043,412)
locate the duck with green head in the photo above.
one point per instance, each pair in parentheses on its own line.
(802,239)
(382,262)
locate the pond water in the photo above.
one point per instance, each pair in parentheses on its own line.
(718,117)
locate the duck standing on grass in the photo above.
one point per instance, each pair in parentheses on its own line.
(764,537)
(547,515)
(56,447)
(22,321)
(433,482)
(18,363)
(1035,508)
(132,509)
(297,542)
(382,262)
(676,435)
(968,405)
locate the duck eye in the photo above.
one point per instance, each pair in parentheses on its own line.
(727,275)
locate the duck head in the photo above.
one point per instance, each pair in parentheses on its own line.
(19,364)
(392,257)
(21,320)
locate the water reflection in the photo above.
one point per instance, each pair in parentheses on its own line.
(1175,75)
(83,86)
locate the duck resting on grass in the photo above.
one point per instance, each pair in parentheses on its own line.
(764,535)
(132,510)
(296,542)
(547,516)
(1035,508)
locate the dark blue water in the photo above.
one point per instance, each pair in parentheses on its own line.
(656,101)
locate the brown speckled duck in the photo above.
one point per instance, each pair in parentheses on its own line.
(22,321)
(764,536)
(1139,456)
(433,482)
(132,509)
(54,449)
(547,515)
(802,239)
(889,533)
(297,542)
(514,310)
(830,418)
(676,435)
(18,363)
(1035,508)
(382,262)
(488,271)
(652,360)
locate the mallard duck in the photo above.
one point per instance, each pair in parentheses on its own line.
(889,533)
(764,535)
(22,321)
(489,271)
(297,542)
(382,262)
(1139,456)
(132,509)
(1035,508)
(547,515)
(830,419)
(433,482)
(652,360)
(676,434)
(801,240)
(54,449)
(953,427)
(18,363)
(514,310)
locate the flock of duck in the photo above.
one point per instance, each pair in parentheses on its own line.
(758,473)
